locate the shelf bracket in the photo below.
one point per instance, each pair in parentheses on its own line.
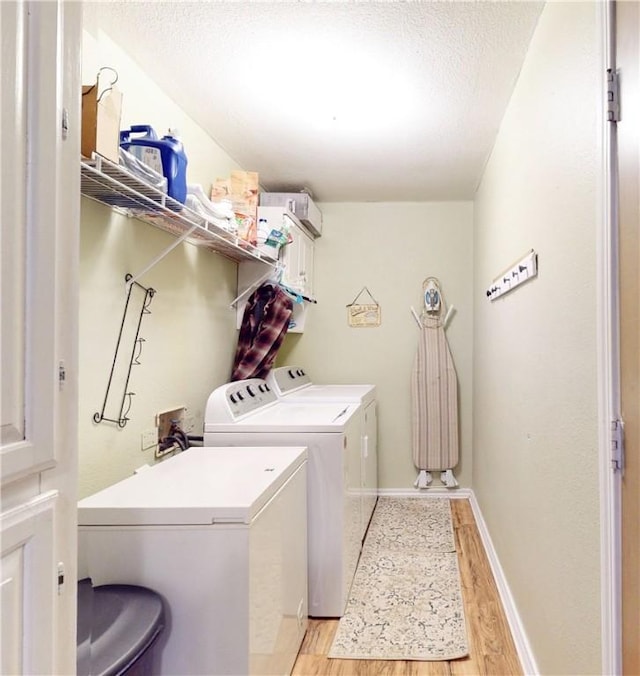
(253,286)
(159,257)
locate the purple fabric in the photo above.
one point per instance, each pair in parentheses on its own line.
(264,325)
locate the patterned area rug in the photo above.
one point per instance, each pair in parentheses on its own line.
(406,600)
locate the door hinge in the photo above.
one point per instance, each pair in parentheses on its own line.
(62,373)
(65,124)
(613,96)
(60,577)
(617,445)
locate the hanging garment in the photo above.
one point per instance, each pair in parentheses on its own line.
(264,325)
(434,393)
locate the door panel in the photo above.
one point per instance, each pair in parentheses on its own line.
(12,599)
(12,240)
(27,580)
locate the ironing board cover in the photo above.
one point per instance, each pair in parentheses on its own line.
(434,394)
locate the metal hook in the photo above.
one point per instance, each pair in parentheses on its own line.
(123,419)
(111,84)
(136,357)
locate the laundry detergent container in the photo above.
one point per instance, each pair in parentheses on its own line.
(118,630)
(165,155)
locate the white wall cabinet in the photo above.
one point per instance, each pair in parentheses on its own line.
(298,274)
(295,258)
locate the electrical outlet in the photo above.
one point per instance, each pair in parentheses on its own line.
(149,438)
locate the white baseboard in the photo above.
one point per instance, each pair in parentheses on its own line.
(433,492)
(523,646)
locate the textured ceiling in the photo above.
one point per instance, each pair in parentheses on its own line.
(357,101)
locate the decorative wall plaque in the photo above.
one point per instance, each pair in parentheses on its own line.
(364,315)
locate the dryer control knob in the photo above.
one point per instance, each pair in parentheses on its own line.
(250,391)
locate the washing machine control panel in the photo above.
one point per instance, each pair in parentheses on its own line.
(288,378)
(232,401)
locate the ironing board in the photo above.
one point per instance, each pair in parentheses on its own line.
(434,394)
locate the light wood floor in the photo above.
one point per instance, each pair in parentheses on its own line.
(491,647)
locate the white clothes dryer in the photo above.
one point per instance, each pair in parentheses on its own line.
(221,535)
(292,383)
(248,413)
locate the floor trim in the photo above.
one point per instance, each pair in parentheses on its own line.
(523,646)
(435,492)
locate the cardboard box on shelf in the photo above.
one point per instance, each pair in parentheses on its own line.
(101,112)
(242,189)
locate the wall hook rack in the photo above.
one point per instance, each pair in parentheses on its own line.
(519,273)
(124,360)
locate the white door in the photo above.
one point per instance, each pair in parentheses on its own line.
(40,90)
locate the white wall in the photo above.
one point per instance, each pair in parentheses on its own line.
(535,466)
(190,334)
(390,249)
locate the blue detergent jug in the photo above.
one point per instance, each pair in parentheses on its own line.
(165,155)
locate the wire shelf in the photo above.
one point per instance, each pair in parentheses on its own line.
(112,185)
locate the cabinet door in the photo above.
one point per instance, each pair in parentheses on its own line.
(290,257)
(297,258)
(26,587)
(305,263)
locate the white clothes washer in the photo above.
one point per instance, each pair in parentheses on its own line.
(248,413)
(292,383)
(221,535)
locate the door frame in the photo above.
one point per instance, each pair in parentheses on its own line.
(608,361)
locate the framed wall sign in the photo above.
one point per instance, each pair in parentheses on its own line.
(364,315)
